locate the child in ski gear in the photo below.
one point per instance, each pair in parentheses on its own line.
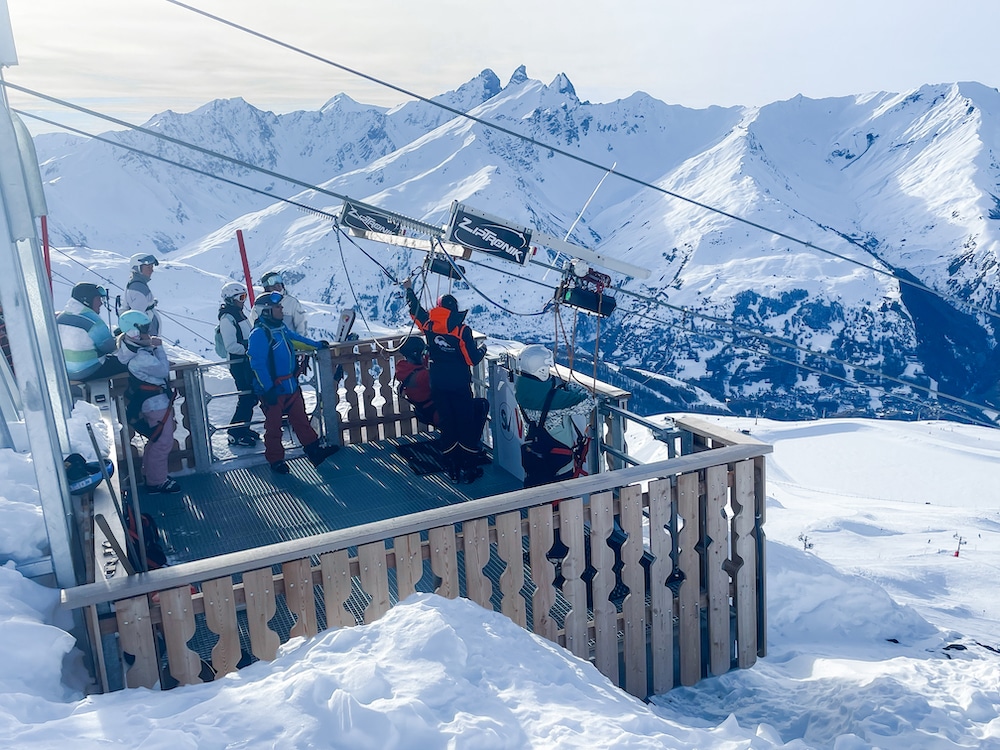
(234,328)
(272,359)
(554,445)
(452,355)
(149,372)
(137,293)
(86,339)
(415,379)
(295,314)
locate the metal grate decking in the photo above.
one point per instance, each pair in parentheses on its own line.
(249,507)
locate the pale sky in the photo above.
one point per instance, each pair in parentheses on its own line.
(135,58)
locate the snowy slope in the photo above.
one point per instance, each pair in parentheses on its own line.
(878,635)
(885,186)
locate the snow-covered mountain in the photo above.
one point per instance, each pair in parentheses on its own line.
(884,186)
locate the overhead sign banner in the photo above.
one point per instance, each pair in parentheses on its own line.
(486,234)
(365,219)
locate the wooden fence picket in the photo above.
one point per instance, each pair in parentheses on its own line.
(444,561)
(300,598)
(511,550)
(574,587)
(258,587)
(633,576)
(177,613)
(661,636)
(540,542)
(476,546)
(602,558)
(135,628)
(374,579)
(409,564)
(689,597)
(220,616)
(717,579)
(335,568)
(744,554)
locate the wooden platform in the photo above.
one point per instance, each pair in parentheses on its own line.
(249,507)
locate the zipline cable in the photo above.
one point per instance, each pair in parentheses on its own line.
(621,290)
(578,158)
(436,232)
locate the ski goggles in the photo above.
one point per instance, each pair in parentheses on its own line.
(273,279)
(148,260)
(103,292)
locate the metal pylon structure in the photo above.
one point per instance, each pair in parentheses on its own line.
(42,402)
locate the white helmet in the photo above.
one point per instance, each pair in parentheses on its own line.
(233,289)
(535,360)
(144,259)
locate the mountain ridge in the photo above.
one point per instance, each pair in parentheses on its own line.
(906,183)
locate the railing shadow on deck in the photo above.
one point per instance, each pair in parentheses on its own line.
(654,572)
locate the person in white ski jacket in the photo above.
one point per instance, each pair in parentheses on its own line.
(138,295)
(295,314)
(149,373)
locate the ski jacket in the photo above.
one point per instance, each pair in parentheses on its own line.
(86,339)
(139,297)
(569,400)
(294,314)
(415,384)
(147,364)
(235,328)
(450,343)
(272,357)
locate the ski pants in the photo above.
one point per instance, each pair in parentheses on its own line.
(239,368)
(292,405)
(156,453)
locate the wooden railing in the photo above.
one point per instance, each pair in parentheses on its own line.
(581,572)
(360,406)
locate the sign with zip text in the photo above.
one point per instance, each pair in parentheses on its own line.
(478,231)
(366,219)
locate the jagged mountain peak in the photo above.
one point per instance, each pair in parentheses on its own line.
(561,83)
(518,77)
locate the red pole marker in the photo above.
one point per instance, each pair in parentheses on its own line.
(246,266)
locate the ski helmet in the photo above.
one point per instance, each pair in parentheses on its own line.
(143,259)
(413,348)
(272,279)
(233,289)
(133,323)
(267,302)
(448,302)
(535,360)
(84,293)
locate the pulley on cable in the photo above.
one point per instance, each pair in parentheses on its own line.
(583,288)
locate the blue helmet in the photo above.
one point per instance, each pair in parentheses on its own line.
(133,323)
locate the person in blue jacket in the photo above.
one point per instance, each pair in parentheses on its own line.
(272,358)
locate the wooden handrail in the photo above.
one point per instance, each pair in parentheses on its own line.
(273,554)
